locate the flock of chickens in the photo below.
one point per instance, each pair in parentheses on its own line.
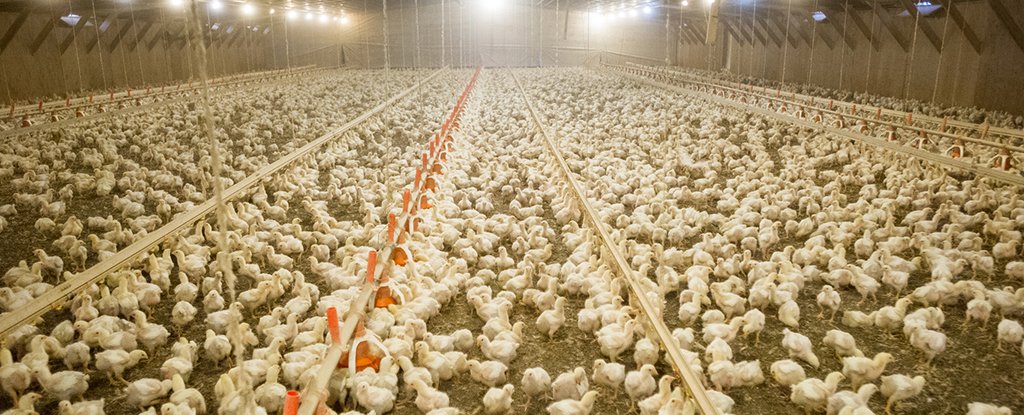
(831,267)
(967,114)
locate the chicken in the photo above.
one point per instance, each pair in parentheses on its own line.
(828,298)
(115,362)
(812,394)
(428,398)
(614,341)
(849,400)
(216,346)
(145,392)
(190,397)
(501,350)
(570,385)
(640,383)
(607,374)
(799,347)
(929,342)
(842,342)
(15,377)
(1008,331)
(574,407)
(376,399)
(82,408)
(978,408)
(62,385)
(498,400)
(551,320)
(26,405)
(860,370)
(490,372)
(787,372)
(897,388)
(789,314)
(536,382)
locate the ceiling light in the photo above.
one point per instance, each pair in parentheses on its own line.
(248,9)
(344,20)
(686,3)
(648,9)
(309,15)
(291,14)
(216,5)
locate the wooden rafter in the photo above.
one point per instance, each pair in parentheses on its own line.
(801,29)
(757,34)
(841,27)
(1004,15)
(120,35)
(70,37)
(13,30)
(41,37)
(767,29)
(886,20)
(99,33)
(741,28)
(140,35)
(783,26)
(728,28)
(864,30)
(964,26)
(827,38)
(923,24)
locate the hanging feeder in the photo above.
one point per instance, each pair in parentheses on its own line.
(840,122)
(921,140)
(359,355)
(957,150)
(1004,160)
(891,135)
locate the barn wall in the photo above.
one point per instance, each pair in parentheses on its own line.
(513,36)
(161,56)
(959,75)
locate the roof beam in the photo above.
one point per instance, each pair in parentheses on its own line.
(1006,17)
(929,33)
(757,34)
(728,28)
(771,34)
(140,35)
(99,33)
(841,27)
(783,25)
(864,30)
(802,29)
(13,30)
(64,44)
(743,31)
(964,26)
(827,38)
(120,35)
(41,37)
(886,20)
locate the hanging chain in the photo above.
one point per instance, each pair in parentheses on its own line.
(416,6)
(874,16)
(938,67)
(74,35)
(814,39)
(103,71)
(785,49)
(138,53)
(842,59)
(909,66)
(223,260)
